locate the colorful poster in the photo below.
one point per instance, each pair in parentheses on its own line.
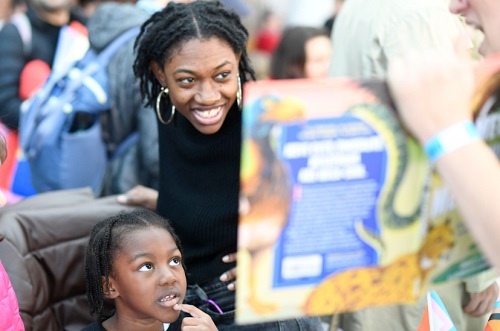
(339,207)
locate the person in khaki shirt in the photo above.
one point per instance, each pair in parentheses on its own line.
(366,36)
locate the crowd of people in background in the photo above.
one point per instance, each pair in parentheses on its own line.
(180,85)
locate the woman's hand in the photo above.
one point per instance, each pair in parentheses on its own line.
(198,320)
(139,196)
(230,275)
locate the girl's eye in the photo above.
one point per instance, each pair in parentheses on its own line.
(222,75)
(146,267)
(175,261)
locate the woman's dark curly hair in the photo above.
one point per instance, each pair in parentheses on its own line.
(106,240)
(177,23)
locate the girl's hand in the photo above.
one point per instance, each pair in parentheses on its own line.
(230,275)
(139,196)
(198,320)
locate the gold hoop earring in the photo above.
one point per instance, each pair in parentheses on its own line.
(239,94)
(164,91)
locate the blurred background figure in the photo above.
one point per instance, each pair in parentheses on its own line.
(8,8)
(138,163)
(331,20)
(269,31)
(281,14)
(28,44)
(5,11)
(264,38)
(368,34)
(151,6)
(240,7)
(45,18)
(308,13)
(85,7)
(304,52)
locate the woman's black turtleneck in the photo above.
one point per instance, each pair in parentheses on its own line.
(199,187)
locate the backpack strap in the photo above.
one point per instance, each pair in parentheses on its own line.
(109,51)
(23,25)
(104,57)
(29,120)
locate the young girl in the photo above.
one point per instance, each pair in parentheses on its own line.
(192,62)
(134,259)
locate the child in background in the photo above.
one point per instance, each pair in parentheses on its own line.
(303,52)
(135,260)
(269,32)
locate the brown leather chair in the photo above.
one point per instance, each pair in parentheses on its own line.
(42,247)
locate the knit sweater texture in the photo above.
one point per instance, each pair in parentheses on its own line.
(199,187)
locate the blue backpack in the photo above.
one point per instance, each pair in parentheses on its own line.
(60,127)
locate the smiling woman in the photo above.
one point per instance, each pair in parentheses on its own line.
(192,63)
(202,80)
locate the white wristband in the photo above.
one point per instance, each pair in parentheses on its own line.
(451,139)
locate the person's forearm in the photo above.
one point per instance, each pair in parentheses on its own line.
(472,174)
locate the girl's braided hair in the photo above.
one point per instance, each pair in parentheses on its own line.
(106,240)
(177,23)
